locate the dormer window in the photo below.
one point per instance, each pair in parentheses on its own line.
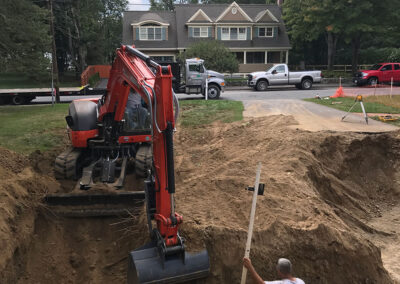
(150,33)
(200,31)
(265,32)
(150,30)
(234,33)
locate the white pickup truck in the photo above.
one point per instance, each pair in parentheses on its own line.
(279,75)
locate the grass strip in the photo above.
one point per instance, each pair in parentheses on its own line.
(374,104)
(25,129)
(200,112)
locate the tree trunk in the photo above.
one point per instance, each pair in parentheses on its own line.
(331,40)
(355,46)
(54,54)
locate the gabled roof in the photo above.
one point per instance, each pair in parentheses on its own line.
(266,16)
(231,8)
(199,16)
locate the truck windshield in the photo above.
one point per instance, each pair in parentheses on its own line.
(375,67)
(196,68)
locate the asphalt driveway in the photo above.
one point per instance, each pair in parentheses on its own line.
(310,116)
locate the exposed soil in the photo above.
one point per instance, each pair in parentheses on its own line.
(330,205)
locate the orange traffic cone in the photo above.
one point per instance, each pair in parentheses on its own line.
(339,93)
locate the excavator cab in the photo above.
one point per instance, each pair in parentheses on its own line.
(135,120)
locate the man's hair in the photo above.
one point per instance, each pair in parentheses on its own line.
(284,266)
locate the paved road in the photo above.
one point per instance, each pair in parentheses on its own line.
(288,101)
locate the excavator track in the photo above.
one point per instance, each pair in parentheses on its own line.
(66,164)
(143,160)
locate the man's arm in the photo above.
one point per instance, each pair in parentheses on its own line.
(253,273)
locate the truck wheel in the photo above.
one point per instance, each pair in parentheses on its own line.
(372,81)
(262,85)
(213,92)
(18,100)
(306,84)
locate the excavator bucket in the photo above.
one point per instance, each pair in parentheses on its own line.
(145,265)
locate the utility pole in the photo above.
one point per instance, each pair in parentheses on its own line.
(54,68)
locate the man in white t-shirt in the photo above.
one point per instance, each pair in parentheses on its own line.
(284,269)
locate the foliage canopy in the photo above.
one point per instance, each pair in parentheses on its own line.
(216,56)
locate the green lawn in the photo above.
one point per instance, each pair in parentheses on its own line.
(25,129)
(198,112)
(12,81)
(372,105)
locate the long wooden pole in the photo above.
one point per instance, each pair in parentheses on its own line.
(252,215)
(54,68)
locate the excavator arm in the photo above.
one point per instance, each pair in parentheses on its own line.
(164,259)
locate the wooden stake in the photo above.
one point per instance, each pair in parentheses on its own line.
(391,87)
(252,215)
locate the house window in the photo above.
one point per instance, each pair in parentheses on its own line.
(274,57)
(255,57)
(240,57)
(200,31)
(265,32)
(233,33)
(150,33)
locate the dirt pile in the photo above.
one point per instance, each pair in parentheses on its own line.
(321,188)
(322,191)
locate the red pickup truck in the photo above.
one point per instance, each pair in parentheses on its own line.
(379,73)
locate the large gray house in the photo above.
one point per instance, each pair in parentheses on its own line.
(254,32)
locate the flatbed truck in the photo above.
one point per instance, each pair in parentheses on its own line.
(26,95)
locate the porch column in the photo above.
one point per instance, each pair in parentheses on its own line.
(244,57)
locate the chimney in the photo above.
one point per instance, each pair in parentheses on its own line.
(279,2)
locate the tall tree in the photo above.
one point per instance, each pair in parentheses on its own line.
(358,26)
(25,39)
(88,32)
(308,19)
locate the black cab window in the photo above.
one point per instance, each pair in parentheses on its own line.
(387,67)
(196,68)
(397,67)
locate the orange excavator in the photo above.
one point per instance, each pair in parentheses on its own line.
(105,137)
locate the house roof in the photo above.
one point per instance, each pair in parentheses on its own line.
(213,11)
(178,22)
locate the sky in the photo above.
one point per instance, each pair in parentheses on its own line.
(138,5)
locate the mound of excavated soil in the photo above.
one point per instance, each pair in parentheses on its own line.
(324,193)
(320,189)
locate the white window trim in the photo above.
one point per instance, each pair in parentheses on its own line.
(147,33)
(231,27)
(200,27)
(266,27)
